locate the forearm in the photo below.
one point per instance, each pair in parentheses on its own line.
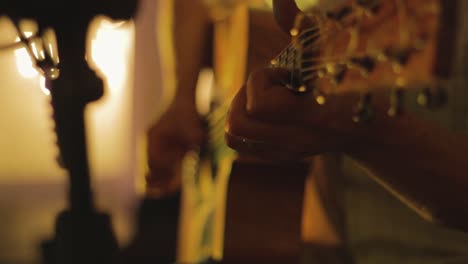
(423,164)
(192,43)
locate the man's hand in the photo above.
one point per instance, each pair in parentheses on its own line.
(421,162)
(179,130)
(269,120)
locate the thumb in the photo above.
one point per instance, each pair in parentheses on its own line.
(285,12)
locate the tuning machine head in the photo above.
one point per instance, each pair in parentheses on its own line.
(336,72)
(365,64)
(364,111)
(372,6)
(340,14)
(396,102)
(399,55)
(48,68)
(433,97)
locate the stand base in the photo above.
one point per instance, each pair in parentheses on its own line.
(155,240)
(82,237)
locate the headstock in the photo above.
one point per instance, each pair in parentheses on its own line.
(370,45)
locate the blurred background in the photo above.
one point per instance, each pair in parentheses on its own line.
(32,185)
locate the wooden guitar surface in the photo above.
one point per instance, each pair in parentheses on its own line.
(263,202)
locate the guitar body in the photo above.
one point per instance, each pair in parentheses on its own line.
(264,213)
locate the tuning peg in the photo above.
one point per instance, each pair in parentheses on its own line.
(339,14)
(365,111)
(339,73)
(48,68)
(399,55)
(370,5)
(308,37)
(366,64)
(46,63)
(396,102)
(432,97)
(319,97)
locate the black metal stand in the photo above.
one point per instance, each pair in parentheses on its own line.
(155,240)
(82,238)
(83,235)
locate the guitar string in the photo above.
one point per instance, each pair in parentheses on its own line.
(284,59)
(18,44)
(217,125)
(215,120)
(291,45)
(27,44)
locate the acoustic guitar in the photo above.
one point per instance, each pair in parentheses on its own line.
(246,211)
(368,47)
(363,47)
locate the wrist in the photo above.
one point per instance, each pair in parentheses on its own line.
(184,103)
(380,132)
(385,134)
(159,185)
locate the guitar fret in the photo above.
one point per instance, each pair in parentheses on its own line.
(290,57)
